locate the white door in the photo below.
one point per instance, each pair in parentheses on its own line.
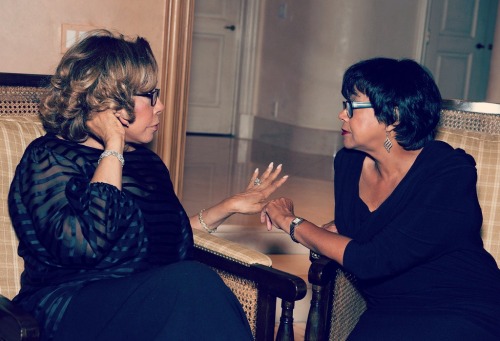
(458,52)
(214,67)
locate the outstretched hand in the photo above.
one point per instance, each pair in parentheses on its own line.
(254,198)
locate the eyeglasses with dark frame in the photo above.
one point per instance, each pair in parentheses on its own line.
(350,106)
(152,95)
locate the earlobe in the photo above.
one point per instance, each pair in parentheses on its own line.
(122,120)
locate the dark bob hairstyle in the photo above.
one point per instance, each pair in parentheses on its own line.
(402,93)
(102,71)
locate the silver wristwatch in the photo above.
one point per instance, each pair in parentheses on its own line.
(293,225)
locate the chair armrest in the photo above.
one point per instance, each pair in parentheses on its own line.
(322,270)
(336,303)
(237,263)
(228,249)
(16,324)
(237,258)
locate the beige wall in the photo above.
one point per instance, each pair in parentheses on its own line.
(30,42)
(493,94)
(30,37)
(304,55)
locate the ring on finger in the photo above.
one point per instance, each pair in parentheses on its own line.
(257,182)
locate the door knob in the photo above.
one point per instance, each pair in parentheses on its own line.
(479,46)
(230,27)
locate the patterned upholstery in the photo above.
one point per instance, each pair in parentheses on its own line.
(229,249)
(15,135)
(19,125)
(475,127)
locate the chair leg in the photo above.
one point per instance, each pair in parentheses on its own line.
(285,330)
(317,315)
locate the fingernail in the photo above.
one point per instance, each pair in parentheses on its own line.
(270,165)
(279,166)
(285,177)
(256,170)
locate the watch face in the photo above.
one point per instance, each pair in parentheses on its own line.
(293,225)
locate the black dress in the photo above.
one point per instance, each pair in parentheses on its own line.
(419,256)
(80,239)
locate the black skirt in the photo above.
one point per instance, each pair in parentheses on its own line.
(181,301)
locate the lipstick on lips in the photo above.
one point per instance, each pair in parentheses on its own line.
(345,132)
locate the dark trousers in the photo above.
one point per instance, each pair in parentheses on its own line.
(181,301)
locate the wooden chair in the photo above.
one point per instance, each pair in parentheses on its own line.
(247,272)
(336,304)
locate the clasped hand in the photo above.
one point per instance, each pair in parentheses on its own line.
(280,212)
(277,213)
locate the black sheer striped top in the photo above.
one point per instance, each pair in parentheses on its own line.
(72,232)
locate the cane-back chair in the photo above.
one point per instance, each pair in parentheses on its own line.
(248,273)
(336,304)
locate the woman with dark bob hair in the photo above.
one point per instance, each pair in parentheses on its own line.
(407,217)
(107,245)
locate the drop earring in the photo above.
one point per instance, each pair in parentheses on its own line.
(387,142)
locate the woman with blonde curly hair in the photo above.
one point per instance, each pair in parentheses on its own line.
(106,243)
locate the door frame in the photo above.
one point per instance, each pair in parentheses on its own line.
(422,34)
(170,143)
(174,80)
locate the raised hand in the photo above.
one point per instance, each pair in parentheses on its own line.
(253,199)
(109,127)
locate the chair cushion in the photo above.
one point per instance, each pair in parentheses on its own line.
(485,150)
(16,132)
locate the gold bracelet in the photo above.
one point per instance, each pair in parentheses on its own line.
(203,224)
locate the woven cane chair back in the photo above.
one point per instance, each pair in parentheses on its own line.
(246,272)
(475,127)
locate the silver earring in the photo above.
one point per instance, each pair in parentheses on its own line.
(387,142)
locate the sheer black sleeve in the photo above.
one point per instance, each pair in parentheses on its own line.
(67,220)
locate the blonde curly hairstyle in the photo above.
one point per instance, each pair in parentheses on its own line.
(102,71)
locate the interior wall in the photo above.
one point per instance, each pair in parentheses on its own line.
(31,30)
(30,42)
(493,94)
(307,47)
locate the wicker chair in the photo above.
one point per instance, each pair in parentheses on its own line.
(336,304)
(247,272)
